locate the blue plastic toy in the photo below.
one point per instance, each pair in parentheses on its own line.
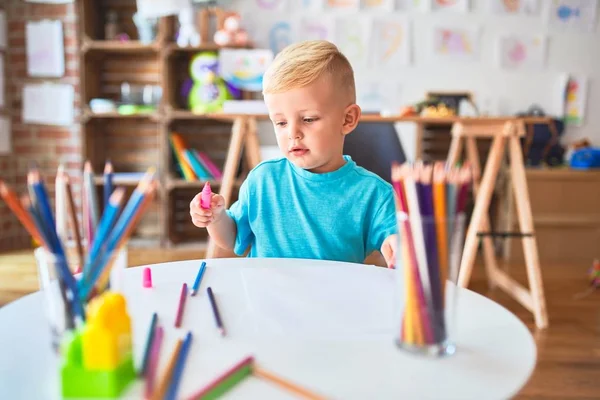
(586,158)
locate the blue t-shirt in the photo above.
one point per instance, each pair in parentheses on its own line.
(288,212)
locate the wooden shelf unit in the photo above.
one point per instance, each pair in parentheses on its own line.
(134,142)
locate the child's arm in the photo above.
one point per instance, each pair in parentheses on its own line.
(221,227)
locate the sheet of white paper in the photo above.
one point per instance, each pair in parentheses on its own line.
(576,100)
(456,43)
(50,1)
(390,42)
(48,104)
(2,29)
(351,35)
(2,93)
(559,98)
(316,28)
(461,6)
(573,15)
(5,140)
(45,49)
(244,69)
(378,5)
(161,8)
(516,51)
(524,7)
(272,5)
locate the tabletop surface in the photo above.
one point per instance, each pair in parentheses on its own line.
(325,325)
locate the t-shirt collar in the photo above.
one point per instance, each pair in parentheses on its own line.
(327,176)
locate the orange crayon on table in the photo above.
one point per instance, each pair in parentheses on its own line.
(206,196)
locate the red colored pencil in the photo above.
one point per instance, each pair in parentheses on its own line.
(181,306)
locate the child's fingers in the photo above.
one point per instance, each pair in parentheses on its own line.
(217,201)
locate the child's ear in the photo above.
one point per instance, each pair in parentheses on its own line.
(351,118)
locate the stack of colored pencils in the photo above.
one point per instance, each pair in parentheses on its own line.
(105,234)
(430,205)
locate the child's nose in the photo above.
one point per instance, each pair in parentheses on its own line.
(294,131)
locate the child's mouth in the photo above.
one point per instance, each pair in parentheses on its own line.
(298,151)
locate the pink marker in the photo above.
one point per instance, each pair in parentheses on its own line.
(147,282)
(206,196)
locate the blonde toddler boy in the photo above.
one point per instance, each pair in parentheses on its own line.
(314,202)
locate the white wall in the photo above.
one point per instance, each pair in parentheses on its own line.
(507,91)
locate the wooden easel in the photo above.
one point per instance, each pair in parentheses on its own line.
(244,133)
(503,134)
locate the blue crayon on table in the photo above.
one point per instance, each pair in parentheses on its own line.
(149,341)
(199,278)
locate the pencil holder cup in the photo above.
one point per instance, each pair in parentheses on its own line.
(56,297)
(427,261)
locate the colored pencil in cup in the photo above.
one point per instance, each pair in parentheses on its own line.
(216,313)
(73,221)
(60,204)
(108,181)
(198,278)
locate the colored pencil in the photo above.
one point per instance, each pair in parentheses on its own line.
(181,305)
(73,220)
(206,196)
(439,202)
(108,181)
(199,278)
(149,340)
(88,176)
(179,366)
(11,199)
(285,384)
(216,313)
(226,381)
(153,363)
(60,205)
(163,385)
(106,223)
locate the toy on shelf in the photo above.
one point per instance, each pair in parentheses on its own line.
(98,357)
(208,91)
(232,33)
(187,35)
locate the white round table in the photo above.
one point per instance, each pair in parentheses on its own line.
(324,325)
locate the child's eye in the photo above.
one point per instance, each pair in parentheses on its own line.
(280,123)
(309,120)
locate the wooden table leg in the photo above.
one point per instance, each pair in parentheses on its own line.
(530,250)
(232,163)
(482,202)
(489,257)
(252,149)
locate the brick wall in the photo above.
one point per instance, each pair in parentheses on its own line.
(47,145)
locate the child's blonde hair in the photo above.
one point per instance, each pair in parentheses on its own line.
(301,64)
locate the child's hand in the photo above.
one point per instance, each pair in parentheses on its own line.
(389,249)
(203,217)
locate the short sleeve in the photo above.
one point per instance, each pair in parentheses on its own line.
(239,212)
(384,223)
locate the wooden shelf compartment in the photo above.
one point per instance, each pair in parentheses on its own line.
(208,136)
(131,145)
(115,46)
(93,15)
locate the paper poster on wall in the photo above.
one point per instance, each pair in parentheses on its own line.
(348,5)
(459,6)
(413,5)
(45,49)
(514,7)
(575,15)
(576,100)
(351,38)
(377,96)
(522,51)
(280,35)
(244,69)
(315,28)
(5,136)
(310,5)
(48,104)
(390,42)
(2,29)
(453,43)
(161,8)
(378,5)
(272,5)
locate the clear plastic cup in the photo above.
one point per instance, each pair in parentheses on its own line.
(428,257)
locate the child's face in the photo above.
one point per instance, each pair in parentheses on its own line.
(310,124)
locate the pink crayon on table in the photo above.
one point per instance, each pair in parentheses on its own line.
(147,282)
(206,196)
